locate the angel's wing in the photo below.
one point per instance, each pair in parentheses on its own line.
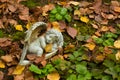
(32,33)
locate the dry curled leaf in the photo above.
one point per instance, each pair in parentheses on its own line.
(19,69)
(117,9)
(72,32)
(29,75)
(74,3)
(100,57)
(117,44)
(2,64)
(117,55)
(84,19)
(1,75)
(19,77)
(4,42)
(53,76)
(104,28)
(7,58)
(90,45)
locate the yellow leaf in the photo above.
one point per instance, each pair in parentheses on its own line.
(77,12)
(48,48)
(84,19)
(53,76)
(28,25)
(117,55)
(56,26)
(19,69)
(100,57)
(2,64)
(117,44)
(104,28)
(90,45)
(74,3)
(19,27)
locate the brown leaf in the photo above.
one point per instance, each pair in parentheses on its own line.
(72,32)
(44,62)
(47,8)
(4,42)
(10,70)
(12,8)
(1,24)
(104,28)
(7,58)
(31,56)
(116,9)
(62,25)
(24,12)
(115,3)
(19,77)
(1,75)
(100,57)
(29,75)
(97,6)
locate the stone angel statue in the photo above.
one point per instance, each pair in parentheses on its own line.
(37,37)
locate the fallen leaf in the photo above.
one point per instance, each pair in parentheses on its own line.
(62,25)
(74,3)
(117,55)
(28,75)
(70,46)
(117,44)
(28,25)
(1,75)
(104,28)
(72,32)
(31,56)
(117,9)
(48,48)
(56,26)
(100,57)
(44,62)
(53,76)
(84,19)
(12,8)
(19,69)
(90,45)
(19,27)
(19,77)
(7,58)
(4,42)
(47,8)
(77,12)
(2,64)
(115,3)
(95,26)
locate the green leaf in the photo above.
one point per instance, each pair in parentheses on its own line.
(81,69)
(81,77)
(108,63)
(106,78)
(54,11)
(1,34)
(63,11)
(98,40)
(72,77)
(71,57)
(35,69)
(58,17)
(68,17)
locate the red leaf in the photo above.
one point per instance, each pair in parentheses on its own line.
(72,32)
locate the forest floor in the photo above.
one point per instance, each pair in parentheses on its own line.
(91,31)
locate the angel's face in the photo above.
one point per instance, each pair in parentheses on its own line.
(51,38)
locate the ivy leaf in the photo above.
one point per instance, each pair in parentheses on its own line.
(35,69)
(81,69)
(72,77)
(68,17)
